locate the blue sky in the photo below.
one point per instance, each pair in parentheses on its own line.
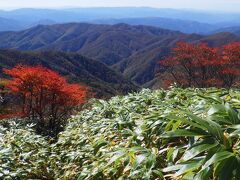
(220,5)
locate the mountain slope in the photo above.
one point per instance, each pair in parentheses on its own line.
(103,80)
(10,25)
(143,65)
(106,43)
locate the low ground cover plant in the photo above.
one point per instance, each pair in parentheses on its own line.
(164,134)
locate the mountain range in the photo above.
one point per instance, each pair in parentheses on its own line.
(109,44)
(131,50)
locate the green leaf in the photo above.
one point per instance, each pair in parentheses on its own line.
(212,127)
(139,159)
(203,174)
(191,153)
(98,145)
(158,173)
(224,113)
(170,153)
(189,167)
(212,98)
(118,155)
(215,109)
(235,133)
(225,169)
(172,168)
(233,114)
(183,133)
(182,119)
(218,157)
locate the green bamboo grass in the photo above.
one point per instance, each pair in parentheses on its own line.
(163,134)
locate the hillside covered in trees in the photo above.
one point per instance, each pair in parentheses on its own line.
(103,81)
(134,51)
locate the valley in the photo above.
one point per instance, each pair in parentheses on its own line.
(103,81)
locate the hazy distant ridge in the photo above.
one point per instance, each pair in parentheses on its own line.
(187,21)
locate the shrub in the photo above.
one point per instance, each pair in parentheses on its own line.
(3,108)
(46,97)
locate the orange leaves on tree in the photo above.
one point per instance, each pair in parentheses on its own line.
(231,64)
(199,65)
(36,81)
(45,94)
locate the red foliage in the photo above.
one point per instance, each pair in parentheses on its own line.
(11,115)
(44,93)
(202,66)
(231,64)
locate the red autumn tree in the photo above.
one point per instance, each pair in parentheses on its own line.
(46,96)
(230,69)
(198,65)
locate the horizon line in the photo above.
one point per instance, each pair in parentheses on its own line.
(9,9)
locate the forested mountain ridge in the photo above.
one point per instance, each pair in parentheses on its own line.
(234,30)
(185,26)
(132,50)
